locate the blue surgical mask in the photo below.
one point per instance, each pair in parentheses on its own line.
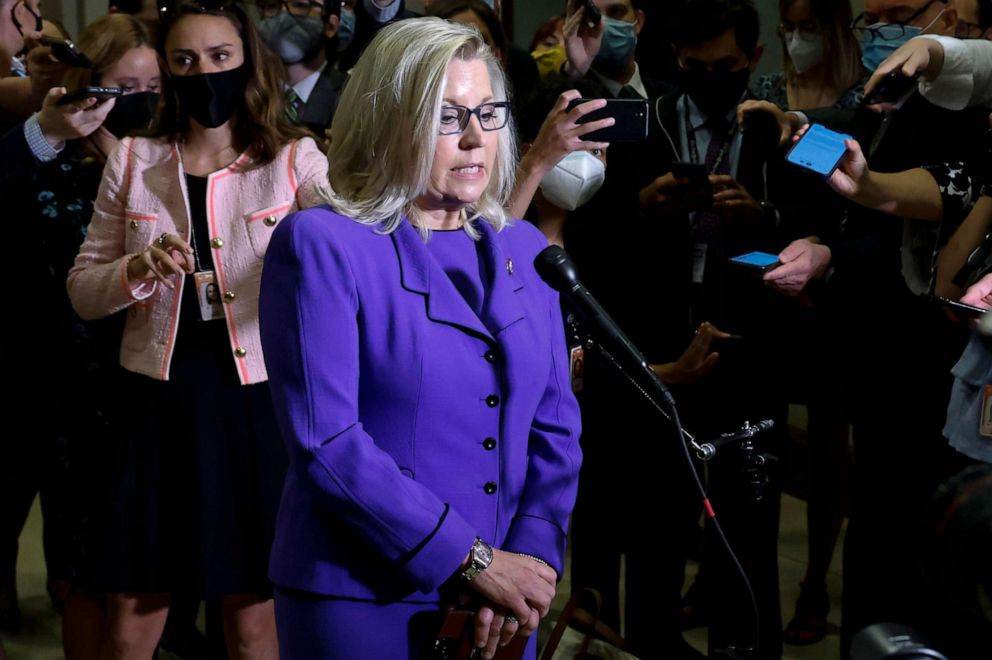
(619,41)
(875,50)
(346,28)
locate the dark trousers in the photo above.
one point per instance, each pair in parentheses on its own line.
(634,484)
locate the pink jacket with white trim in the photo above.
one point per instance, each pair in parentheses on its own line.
(143,195)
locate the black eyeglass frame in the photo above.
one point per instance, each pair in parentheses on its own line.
(465,116)
(285,4)
(902,26)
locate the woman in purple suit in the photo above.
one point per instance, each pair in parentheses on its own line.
(418,368)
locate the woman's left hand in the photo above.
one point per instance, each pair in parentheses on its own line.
(561,133)
(497,626)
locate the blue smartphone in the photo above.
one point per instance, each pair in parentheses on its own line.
(820,150)
(761,262)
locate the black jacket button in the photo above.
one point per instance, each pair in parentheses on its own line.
(490,488)
(489,444)
(492,400)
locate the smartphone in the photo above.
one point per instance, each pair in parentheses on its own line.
(455,641)
(959,306)
(593,15)
(101,93)
(631,117)
(819,150)
(696,174)
(66,52)
(762,129)
(761,262)
(892,88)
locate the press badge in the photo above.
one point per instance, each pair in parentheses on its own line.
(208,295)
(576,367)
(985,425)
(698,262)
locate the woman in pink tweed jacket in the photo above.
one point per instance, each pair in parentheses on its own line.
(180,226)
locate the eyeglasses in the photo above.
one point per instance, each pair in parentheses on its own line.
(269,8)
(492,117)
(808,30)
(894,30)
(172,9)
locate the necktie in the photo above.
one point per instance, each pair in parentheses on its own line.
(294,106)
(708,229)
(628,92)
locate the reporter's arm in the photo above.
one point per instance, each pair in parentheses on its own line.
(962,76)
(908,194)
(962,242)
(98,281)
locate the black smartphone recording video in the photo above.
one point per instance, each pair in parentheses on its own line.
(67,52)
(892,88)
(630,116)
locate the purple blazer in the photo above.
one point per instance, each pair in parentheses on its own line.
(413,425)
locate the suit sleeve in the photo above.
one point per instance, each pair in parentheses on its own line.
(541,520)
(965,79)
(308,313)
(98,284)
(19,162)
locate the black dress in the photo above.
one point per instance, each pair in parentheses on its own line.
(201,468)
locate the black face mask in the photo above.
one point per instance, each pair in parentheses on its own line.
(131,112)
(212,98)
(38,25)
(715,92)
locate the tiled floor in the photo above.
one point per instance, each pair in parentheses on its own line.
(39,638)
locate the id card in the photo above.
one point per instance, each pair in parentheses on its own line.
(577,367)
(985,424)
(698,262)
(208,295)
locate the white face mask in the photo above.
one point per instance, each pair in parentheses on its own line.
(574,180)
(805,53)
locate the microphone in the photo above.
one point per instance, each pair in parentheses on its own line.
(558,270)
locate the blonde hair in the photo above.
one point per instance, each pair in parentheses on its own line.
(385,128)
(842,52)
(105,41)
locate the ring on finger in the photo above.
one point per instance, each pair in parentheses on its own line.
(510,618)
(161,239)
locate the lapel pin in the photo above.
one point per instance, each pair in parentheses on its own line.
(509,266)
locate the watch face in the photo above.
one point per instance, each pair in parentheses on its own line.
(482,554)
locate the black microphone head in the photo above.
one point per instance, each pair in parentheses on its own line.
(556,268)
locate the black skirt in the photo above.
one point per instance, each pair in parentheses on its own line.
(198,476)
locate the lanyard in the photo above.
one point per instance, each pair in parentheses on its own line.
(690,133)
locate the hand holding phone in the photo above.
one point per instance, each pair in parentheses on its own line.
(630,120)
(819,150)
(65,51)
(686,187)
(91,91)
(592,13)
(894,87)
(758,263)
(696,175)
(962,308)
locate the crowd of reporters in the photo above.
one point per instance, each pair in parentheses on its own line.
(847,323)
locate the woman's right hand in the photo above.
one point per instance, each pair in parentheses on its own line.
(852,174)
(517,585)
(168,255)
